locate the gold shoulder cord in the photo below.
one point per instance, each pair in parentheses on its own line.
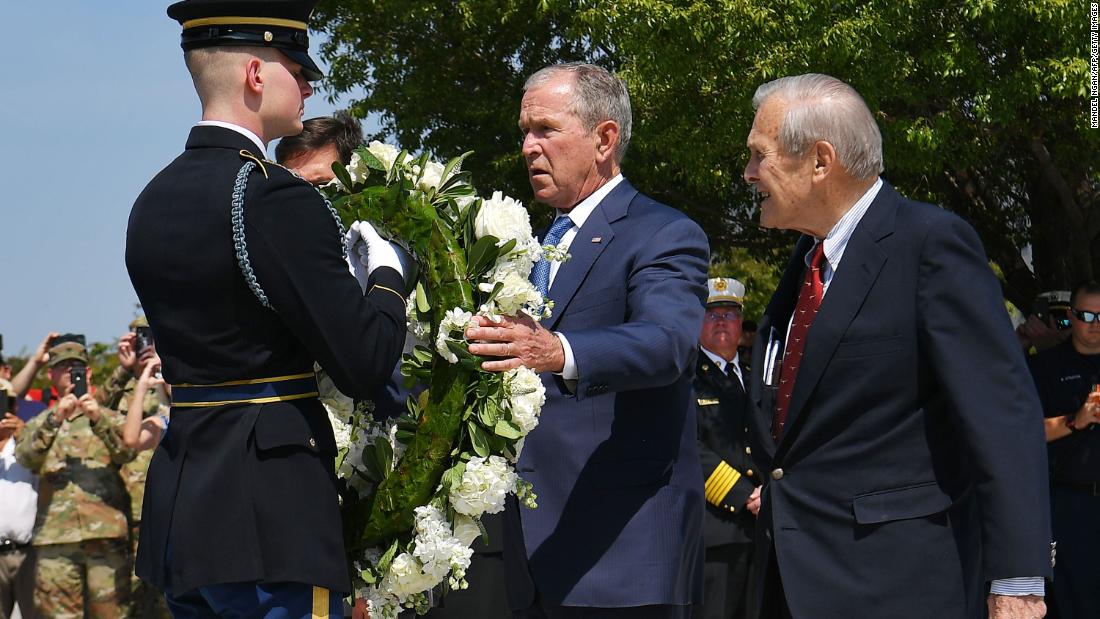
(247,155)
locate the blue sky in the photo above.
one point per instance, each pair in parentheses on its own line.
(97,100)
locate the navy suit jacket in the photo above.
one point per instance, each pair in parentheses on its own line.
(912,469)
(614,459)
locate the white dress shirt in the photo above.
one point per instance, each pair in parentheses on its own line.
(579,214)
(18,497)
(722,363)
(261,149)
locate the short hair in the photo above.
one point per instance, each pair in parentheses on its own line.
(341,130)
(599,95)
(212,69)
(1089,286)
(821,107)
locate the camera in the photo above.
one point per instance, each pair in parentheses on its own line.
(78,373)
(143,340)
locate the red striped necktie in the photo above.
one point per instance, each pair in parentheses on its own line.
(809,300)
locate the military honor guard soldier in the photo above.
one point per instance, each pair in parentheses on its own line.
(731,487)
(240,267)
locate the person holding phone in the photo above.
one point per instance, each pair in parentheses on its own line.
(1067,377)
(81,532)
(142,431)
(122,393)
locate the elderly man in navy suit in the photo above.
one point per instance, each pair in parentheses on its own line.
(897,422)
(618,530)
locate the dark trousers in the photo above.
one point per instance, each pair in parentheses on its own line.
(253,600)
(1076,523)
(543,611)
(726,581)
(486,597)
(774,605)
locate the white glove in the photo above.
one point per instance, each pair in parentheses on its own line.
(371,251)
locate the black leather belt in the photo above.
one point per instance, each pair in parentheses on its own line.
(1092,488)
(9,545)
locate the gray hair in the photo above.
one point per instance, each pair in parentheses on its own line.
(599,95)
(821,107)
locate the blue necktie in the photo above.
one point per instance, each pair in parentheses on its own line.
(540,274)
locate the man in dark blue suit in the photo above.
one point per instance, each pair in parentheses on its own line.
(897,423)
(618,529)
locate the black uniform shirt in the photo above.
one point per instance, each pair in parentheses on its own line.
(1064,378)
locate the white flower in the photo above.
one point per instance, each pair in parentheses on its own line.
(438,550)
(381,605)
(339,406)
(357,169)
(418,328)
(431,177)
(463,203)
(466,529)
(396,446)
(526,395)
(406,577)
(385,153)
(340,429)
(484,485)
(556,253)
(518,293)
(455,320)
(520,261)
(504,218)
(518,448)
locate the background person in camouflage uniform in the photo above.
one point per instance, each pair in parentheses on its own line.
(148,602)
(81,533)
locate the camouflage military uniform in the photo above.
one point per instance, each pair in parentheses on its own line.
(81,533)
(148,601)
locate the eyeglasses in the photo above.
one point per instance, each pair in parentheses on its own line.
(727,316)
(1084,316)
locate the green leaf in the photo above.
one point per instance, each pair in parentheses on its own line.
(370,463)
(496,290)
(422,353)
(342,175)
(368,158)
(478,439)
(505,249)
(422,304)
(387,558)
(484,252)
(505,429)
(484,531)
(451,165)
(489,414)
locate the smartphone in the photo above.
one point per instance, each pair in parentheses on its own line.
(143,340)
(11,404)
(79,375)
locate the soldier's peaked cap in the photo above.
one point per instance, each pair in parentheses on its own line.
(282,24)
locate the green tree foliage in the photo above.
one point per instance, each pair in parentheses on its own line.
(983,104)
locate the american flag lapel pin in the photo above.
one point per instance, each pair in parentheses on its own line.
(597,239)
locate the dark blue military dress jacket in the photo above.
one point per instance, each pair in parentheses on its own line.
(247,492)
